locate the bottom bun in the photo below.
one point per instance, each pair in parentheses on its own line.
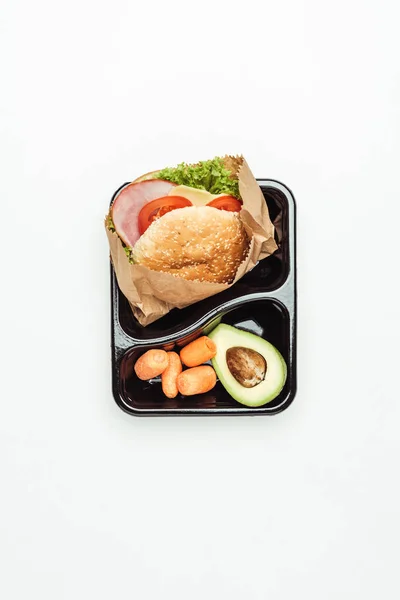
(194,243)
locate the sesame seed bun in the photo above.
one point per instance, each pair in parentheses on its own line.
(194,243)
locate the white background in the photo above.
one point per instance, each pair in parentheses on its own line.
(98,504)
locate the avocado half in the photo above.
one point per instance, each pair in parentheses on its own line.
(226,338)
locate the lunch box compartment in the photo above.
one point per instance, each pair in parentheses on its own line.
(268,275)
(266,318)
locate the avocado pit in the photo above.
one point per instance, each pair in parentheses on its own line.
(247,366)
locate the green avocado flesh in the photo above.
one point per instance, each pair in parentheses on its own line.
(227,338)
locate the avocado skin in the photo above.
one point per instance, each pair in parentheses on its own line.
(227,336)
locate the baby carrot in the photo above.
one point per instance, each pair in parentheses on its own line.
(197,380)
(186,340)
(151,364)
(170,375)
(198,352)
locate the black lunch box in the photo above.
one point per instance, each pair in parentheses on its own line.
(262,302)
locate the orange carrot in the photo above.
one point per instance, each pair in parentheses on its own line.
(170,375)
(197,380)
(186,340)
(151,364)
(198,352)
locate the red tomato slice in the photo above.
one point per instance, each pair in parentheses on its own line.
(157,208)
(226,203)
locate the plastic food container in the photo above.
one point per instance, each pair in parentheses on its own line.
(262,302)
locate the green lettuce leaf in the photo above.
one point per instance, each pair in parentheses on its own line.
(210,175)
(128,252)
(127,249)
(110,223)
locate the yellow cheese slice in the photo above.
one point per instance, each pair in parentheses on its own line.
(196,197)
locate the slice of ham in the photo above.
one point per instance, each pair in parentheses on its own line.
(130,201)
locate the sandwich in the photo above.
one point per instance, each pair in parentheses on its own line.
(184,221)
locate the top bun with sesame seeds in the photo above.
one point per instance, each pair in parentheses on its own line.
(194,243)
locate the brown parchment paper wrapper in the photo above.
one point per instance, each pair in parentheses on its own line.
(152,294)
